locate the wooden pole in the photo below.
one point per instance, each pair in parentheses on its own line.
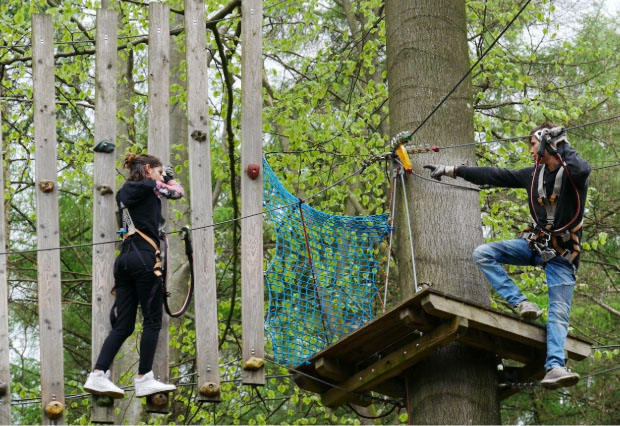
(205,297)
(252,286)
(103,195)
(46,188)
(5,372)
(159,145)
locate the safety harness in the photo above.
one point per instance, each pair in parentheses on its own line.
(127,230)
(539,235)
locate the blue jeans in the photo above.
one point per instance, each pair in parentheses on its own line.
(560,284)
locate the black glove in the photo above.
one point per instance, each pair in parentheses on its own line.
(437,171)
(168,173)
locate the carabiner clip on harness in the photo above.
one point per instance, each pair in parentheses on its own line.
(539,235)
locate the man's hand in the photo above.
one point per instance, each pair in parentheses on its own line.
(168,174)
(437,171)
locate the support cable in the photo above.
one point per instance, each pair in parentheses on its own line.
(389,253)
(401,172)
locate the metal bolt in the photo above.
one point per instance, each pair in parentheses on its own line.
(105,37)
(417,345)
(405,352)
(252,351)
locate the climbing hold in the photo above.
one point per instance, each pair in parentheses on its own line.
(253,170)
(46,185)
(435,148)
(253,364)
(104,401)
(54,409)
(209,389)
(4,388)
(199,135)
(104,189)
(159,399)
(105,145)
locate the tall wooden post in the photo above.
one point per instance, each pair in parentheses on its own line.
(103,195)
(159,144)
(205,298)
(48,241)
(5,372)
(252,286)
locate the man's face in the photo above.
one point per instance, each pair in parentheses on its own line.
(534,147)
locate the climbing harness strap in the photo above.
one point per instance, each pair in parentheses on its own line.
(550,204)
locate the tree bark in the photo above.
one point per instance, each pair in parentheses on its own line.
(427,54)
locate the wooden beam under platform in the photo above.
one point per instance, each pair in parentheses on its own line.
(373,357)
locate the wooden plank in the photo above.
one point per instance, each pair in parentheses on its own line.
(416,319)
(159,146)
(506,349)
(252,286)
(396,362)
(48,259)
(308,383)
(205,297)
(500,325)
(5,371)
(103,193)
(331,369)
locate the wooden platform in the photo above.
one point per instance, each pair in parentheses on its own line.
(372,357)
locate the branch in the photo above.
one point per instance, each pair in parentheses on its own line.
(601,304)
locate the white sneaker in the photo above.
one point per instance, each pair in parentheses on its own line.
(99,384)
(147,385)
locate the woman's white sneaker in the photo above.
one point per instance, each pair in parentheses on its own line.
(99,384)
(147,385)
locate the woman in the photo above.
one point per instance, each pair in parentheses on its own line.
(137,275)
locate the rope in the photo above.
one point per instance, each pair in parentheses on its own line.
(401,172)
(373,417)
(316,287)
(389,252)
(417,150)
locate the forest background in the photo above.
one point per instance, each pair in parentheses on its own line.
(325,111)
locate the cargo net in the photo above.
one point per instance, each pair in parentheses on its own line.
(316,299)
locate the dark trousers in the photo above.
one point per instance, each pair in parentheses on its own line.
(135,284)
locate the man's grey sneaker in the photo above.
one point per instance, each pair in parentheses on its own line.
(529,310)
(99,384)
(147,385)
(559,377)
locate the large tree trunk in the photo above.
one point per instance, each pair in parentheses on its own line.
(427,54)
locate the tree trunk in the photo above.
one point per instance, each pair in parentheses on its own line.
(427,54)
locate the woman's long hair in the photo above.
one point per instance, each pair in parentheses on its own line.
(136,165)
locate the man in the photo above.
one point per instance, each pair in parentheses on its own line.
(557,187)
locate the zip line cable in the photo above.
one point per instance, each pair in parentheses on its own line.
(224,222)
(516,138)
(410,135)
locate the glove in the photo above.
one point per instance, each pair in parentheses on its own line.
(168,174)
(437,171)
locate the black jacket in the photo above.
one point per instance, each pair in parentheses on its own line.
(144,206)
(567,202)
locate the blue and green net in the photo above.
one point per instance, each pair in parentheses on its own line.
(322,278)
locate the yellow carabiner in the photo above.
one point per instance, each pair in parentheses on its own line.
(401,151)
